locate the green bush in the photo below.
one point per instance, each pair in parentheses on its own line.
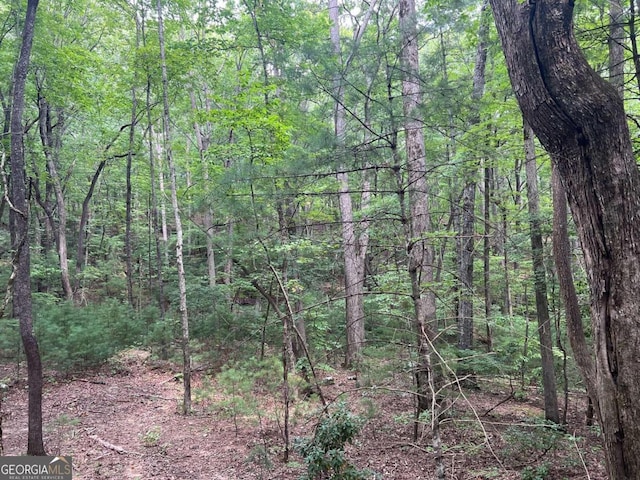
(324,453)
(72,337)
(540,472)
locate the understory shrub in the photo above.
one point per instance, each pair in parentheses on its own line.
(72,337)
(324,453)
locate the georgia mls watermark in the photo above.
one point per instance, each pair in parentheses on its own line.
(36,468)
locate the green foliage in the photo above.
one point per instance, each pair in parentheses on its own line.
(534,440)
(151,437)
(324,453)
(539,472)
(10,343)
(242,384)
(73,337)
(259,456)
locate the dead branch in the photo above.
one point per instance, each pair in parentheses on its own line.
(113,447)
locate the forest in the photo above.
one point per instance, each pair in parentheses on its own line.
(339,239)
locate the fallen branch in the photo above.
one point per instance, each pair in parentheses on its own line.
(96,382)
(111,446)
(498,404)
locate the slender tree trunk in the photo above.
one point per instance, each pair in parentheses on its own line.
(540,281)
(128,247)
(466,237)
(486,252)
(84,220)
(51,146)
(155,235)
(616,45)
(155,239)
(420,251)
(22,304)
(128,250)
(562,259)
(182,284)
(633,39)
(580,119)
(202,142)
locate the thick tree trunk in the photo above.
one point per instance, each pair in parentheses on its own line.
(540,281)
(354,244)
(22,306)
(182,283)
(466,249)
(580,119)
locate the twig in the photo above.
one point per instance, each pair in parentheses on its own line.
(509,397)
(586,470)
(154,396)
(113,447)
(97,382)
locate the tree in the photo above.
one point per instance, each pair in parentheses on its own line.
(419,249)
(580,120)
(354,243)
(540,280)
(51,144)
(465,239)
(22,304)
(182,283)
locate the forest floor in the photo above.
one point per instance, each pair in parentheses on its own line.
(123,422)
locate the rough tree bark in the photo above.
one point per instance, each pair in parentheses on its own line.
(466,237)
(580,119)
(420,251)
(540,281)
(562,260)
(354,243)
(616,45)
(22,304)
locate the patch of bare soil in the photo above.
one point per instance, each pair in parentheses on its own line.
(124,423)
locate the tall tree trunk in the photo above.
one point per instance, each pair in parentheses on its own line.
(420,251)
(51,143)
(154,235)
(466,236)
(616,45)
(633,39)
(22,304)
(562,260)
(128,247)
(580,119)
(540,281)
(128,250)
(82,229)
(202,142)
(486,252)
(182,283)
(354,244)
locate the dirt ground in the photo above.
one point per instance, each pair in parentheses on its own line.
(123,423)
